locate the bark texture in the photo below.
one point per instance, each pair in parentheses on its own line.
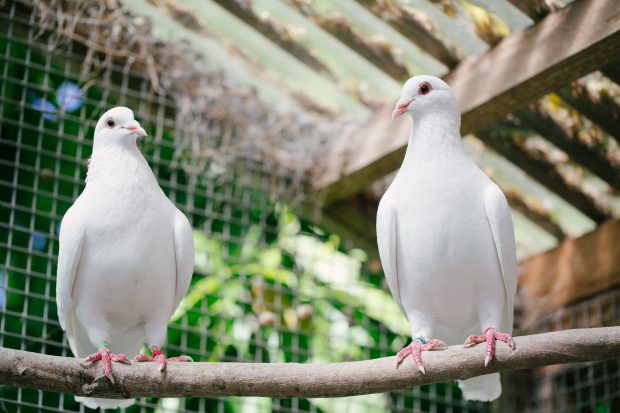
(64,374)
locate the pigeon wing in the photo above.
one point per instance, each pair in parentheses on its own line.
(69,253)
(387,242)
(498,215)
(184,256)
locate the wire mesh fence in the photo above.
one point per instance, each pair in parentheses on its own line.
(583,387)
(268,285)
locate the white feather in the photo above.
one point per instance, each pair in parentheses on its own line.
(445,235)
(126,254)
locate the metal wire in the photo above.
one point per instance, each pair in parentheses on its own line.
(584,387)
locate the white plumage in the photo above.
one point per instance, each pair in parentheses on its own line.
(126,252)
(445,234)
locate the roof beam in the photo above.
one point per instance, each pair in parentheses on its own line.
(415,29)
(575,269)
(562,47)
(535,213)
(612,72)
(284,69)
(243,11)
(565,139)
(534,9)
(601,110)
(379,54)
(542,170)
(354,219)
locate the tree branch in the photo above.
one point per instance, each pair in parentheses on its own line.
(64,374)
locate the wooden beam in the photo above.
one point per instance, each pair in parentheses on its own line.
(272,31)
(602,109)
(535,213)
(534,9)
(592,158)
(354,219)
(414,28)
(612,71)
(378,53)
(562,47)
(542,170)
(575,269)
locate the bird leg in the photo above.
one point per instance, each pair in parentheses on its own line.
(159,357)
(490,335)
(416,347)
(107,357)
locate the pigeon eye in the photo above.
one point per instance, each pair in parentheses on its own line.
(424,88)
(110,123)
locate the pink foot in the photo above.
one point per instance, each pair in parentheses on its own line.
(490,335)
(416,347)
(107,357)
(159,357)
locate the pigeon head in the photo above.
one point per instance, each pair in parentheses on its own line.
(423,95)
(117,126)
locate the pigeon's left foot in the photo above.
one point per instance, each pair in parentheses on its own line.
(159,357)
(490,335)
(417,346)
(107,357)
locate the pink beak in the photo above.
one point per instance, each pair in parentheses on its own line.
(401,107)
(135,128)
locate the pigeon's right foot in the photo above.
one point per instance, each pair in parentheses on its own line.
(490,335)
(417,346)
(159,357)
(107,357)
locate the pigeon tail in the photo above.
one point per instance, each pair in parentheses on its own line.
(483,388)
(97,403)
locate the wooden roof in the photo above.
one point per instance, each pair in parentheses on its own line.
(537,85)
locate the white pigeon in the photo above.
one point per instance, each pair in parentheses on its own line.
(126,255)
(446,239)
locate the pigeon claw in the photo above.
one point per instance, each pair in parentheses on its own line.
(182,358)
(120,358)
(159,357)
(142,357)
(510,343)
(473,340)
(403,354)
(490,335)
(416,347)
(107,357)
(487,360)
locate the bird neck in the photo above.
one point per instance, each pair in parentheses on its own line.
(118,164)
(433,135)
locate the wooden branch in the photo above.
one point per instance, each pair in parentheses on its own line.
(63,374)
(603,110)
(575,269)
(534,9)
(565,139)
(415,29)
(543,171)
(523,67)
